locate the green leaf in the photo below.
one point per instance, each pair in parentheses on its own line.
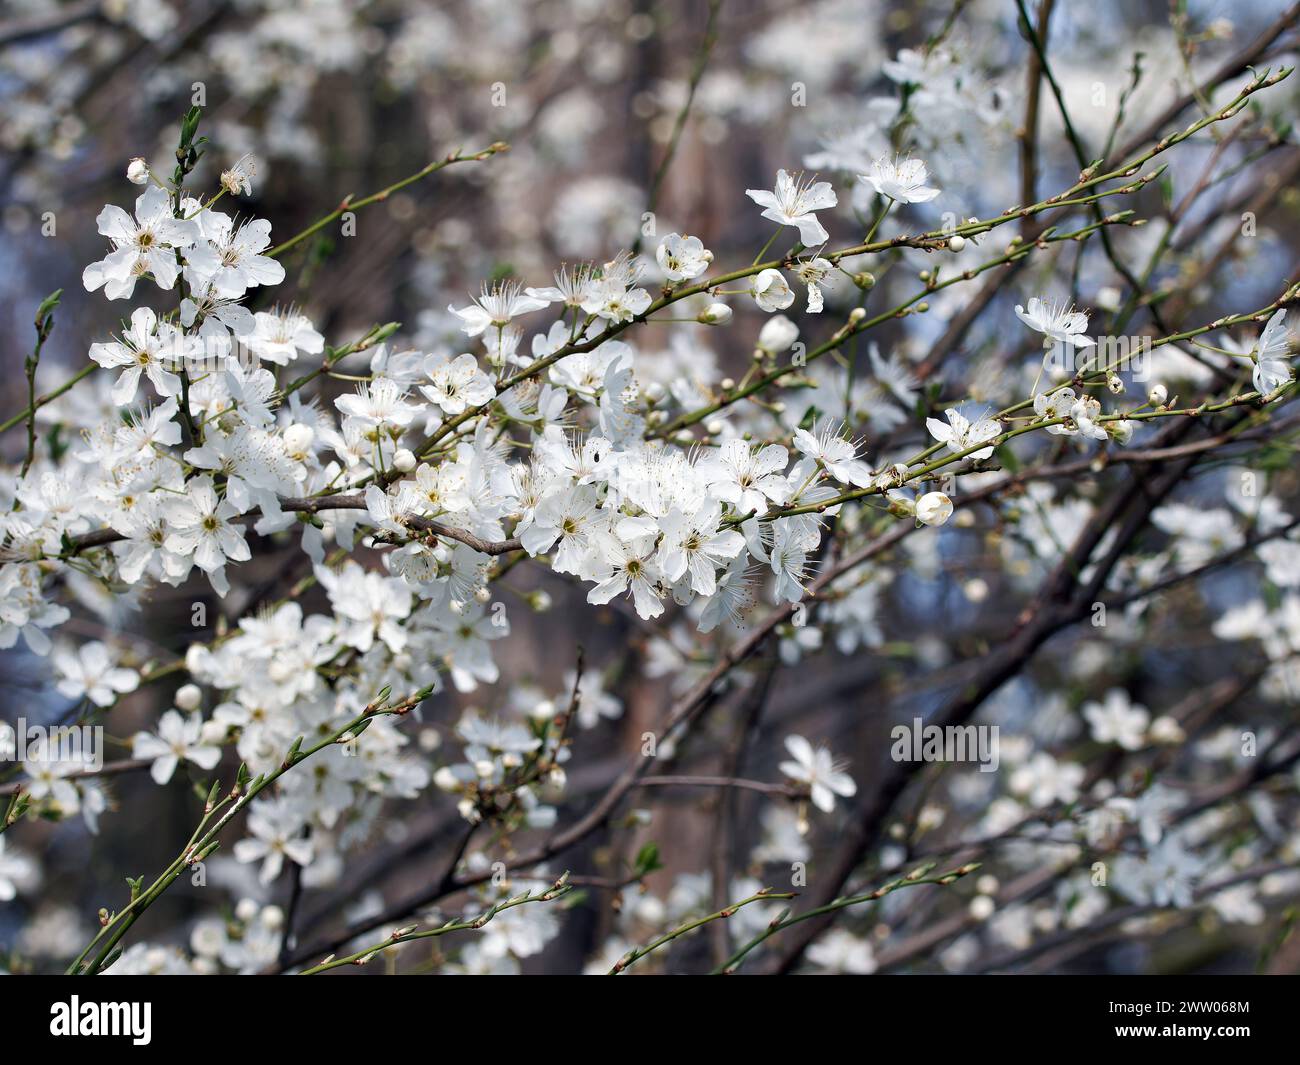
(647,860)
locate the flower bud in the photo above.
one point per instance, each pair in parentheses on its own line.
(404,460)
(715,314)
(1158,396)
(1115,383)
(933,508)
(956,242)
(188,697)
(137,171)
(298,438)
(777,334)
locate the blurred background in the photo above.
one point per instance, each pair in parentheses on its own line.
(333,98)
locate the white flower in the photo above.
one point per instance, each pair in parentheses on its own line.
(771,292)
(496,306)
(1238,905)
(902,181)
(92,671)
(566,516)
(1058,321)
(571,287)
(378,402)
(239,178)
(747,477)
(682,258)
(777,335)
(1086,415)
(594,702)
(614,296)
(17,872)
(1270,354)
(277,833)
(839,457)
(812,272)
(818,769)
(694,548)
(1057,404)
(278,336)
(457,383)
(146,347)
(142,245)
(1117,720)
(367,606)
(627,563)
(793,204)
(178,738)
(202,529)
(230,258)
(960,435)
(789,561)
(1043,780)
(933,508)
(840,951)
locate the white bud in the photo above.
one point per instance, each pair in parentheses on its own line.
(982,907)
(715,314)
(1108,297)
(404,460)
(933,508)
(188,697)
(714,427)
(777,334)
(1166,729)
(445,780)
(956,242)
(1158,396)
(137,171)
(245,909)
(298,438)
(727,384)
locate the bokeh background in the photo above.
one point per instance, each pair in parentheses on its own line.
(342,97)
